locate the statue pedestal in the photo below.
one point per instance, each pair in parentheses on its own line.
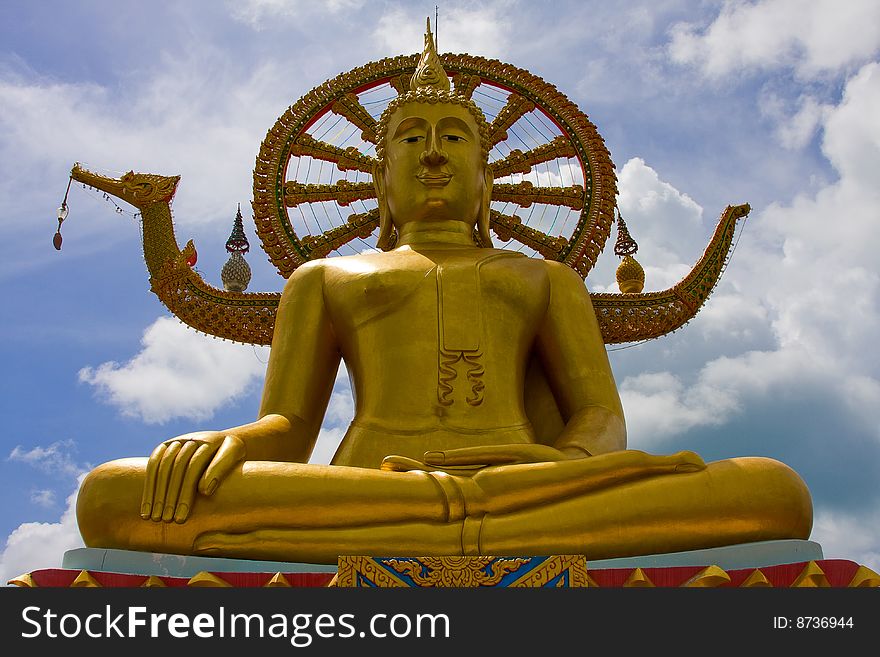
(772,563)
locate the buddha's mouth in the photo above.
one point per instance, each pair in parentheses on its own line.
(434,179)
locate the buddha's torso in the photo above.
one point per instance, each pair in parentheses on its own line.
(436,342)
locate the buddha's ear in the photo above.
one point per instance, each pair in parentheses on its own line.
(385,241)
(483,218)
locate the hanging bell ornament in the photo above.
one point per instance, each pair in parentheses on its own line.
(630,276)
(62,215)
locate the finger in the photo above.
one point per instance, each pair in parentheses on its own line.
(231,452)
(150,480)
(690,462)
(395,463)
(487,455)
(162,478)
(181,464)
(541,453)
(197,465)
(495,455)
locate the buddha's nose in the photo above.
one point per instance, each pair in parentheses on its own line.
(433,156)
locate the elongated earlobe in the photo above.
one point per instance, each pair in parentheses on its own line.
(484,217)
(387,238)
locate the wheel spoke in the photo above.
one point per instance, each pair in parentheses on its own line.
(343,192)
(350,107)
(513,110)
(357,225)
(346,159)
(525,194)
(519,162)
(401,83)
(465,84)
(508,226)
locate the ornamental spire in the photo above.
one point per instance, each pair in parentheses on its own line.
(236,273)
(630,274)
(429,73)
(237,240)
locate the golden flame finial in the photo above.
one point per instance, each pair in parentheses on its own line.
(429,73)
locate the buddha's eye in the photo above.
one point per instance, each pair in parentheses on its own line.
(412,140)
(453,138)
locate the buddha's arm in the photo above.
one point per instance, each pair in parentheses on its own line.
(573,354)
(302,368)
(299,380)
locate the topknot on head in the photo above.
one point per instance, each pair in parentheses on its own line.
(429,73)
(430,84)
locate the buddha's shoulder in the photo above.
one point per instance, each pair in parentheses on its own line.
(552,268)
(316,270)
(556,276)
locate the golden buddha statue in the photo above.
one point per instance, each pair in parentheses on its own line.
(487,419)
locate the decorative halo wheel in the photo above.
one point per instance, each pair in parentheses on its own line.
(553,196)
(554,192)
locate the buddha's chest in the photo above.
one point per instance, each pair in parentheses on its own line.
(463,301)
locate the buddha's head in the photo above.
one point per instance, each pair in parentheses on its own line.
(432,156)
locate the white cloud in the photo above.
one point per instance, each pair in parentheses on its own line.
(813,37)
(731,316)
(665,223)
(169,120)
(852,133)
(642,189)
(657,406)
(261,13)
(56,459)
(845,536)
(655,203)
(38,545)
(825,285)
(806,270)
(328,442)
(794,130)
(476,31)
(44,498)
(340,412)
(179,373)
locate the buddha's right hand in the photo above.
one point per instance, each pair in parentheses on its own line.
(181,466)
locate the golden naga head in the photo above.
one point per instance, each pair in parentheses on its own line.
(427,118)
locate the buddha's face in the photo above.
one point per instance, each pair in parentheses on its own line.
(434,167)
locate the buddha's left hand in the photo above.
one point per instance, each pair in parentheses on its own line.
(466,460)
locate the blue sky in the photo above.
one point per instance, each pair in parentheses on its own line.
(701,104)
